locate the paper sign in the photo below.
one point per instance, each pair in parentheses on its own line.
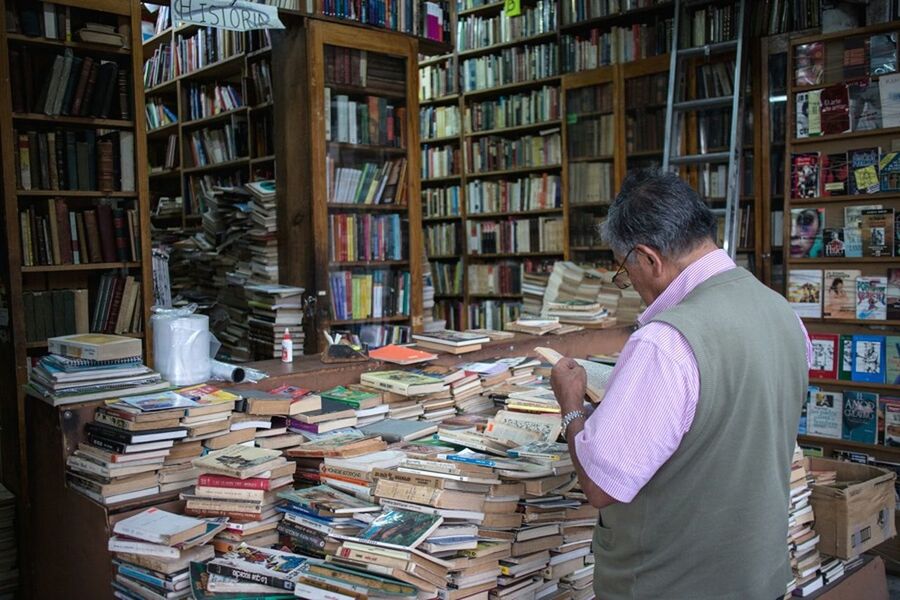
(513,8)
(237,15)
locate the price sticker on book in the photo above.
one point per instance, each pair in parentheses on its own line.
(513,8)
(867,179)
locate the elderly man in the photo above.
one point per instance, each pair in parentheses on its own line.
(689,454)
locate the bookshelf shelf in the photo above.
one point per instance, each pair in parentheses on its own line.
(439,100)
(587,159)
(396,319)
(167,174)
(81,267)
(489,296)
(368,207)
(511,87)
(368,90)
(165,130)
(449,296)
(444,256)
(860,322)
(857,385)
(850,135)
(588,205)
(75,45)
(367,263)
(513,255)
(441,218)
(516,129)
(228,164)
(222,116)
(845,260)
(481,9)
(261,106)
(495,47)
(259,53)
(513,171)
(620,17)
(262,159)
(440,140)
(67,120)
(435,60)
(848,198)
(439,180)
(166,87)
(521,213)
(151,43)
(74,194)
(825,441)
(645,153)
(589,248)
(367,148)
(232,65)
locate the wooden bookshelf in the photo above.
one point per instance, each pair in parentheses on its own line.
(828,212)
(17,278)
(304,62)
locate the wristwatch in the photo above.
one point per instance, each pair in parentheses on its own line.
(568,418)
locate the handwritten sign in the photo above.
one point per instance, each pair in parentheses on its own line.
(513,8)
(237,15)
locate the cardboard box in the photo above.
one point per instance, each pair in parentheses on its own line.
(858,513)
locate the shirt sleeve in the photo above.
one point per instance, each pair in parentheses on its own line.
(648,406)
(809,346)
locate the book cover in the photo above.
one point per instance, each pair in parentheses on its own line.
(805,175)
(834,104)
(891,421)
(95,346)
(853,214)
(840,294)
(400,528)
(889,171)
(401,355)
(878,232)
(825,356)
(807,232)
(882,52)
(834,242)
(855,63)
(889,89)
(864,171)
(403,382)
(865,105)
(835,172)
(158,401)
(869,356)
(354,398)
(893,294)
(238,461)
(860,422)
(871,298)
(160,527)
(892,359)
(845,366)
(809,63)
(805,292)
(803,424)
(824,415)
(801,115)
(323,498)
(395,430)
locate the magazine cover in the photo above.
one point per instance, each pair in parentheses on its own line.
(869,358)
(825,356)
(864,171)
(840,294)
(835,171)
(860,417)
(878,232)
(807,232)
(871,298)
(809,63)
(805,175)
(824,415)
(805,292)
(865,105)
(834,242)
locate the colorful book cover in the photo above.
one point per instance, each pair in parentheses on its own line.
(807,232)
(835,110)
(158,401)
(845,366)
(869,358)
(825,356)
(893,294)
(860,423)
(834,242)
(347,396)
(878,232)
(892,350)
(290,391)
(824,415)
(805,175)
(864,171)
(891,421)
(889,169)
(871,298)
(801,114)
(853,245)
(840,294)
(865,105)
(323,498)
(835,171)
(401,528)
(805,292)
(809,63)
(208,394)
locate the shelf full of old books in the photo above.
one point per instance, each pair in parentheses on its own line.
(842,183)
(74,183)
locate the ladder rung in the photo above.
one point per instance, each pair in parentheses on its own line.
(702,103)
(719,212)
(707,49)
(693,159)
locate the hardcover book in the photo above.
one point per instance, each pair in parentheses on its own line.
(825,356)
(160,527)
(355,398)
(878,232)
(864,171)
(860,423)
(95,346)
(807,232)
(805,292)
(871,298)
(869,356)
(158,401)
(452,338)
(805,175)
(834,242)
(840,294)
(824,415)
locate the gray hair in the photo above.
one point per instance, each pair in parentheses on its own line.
(659,210)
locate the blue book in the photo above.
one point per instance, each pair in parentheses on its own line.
(869,358)
(861,417)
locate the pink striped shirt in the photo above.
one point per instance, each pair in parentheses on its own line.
(651,396)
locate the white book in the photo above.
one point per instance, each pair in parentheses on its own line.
(55,83)
(126,152)
(64,79)
(352,124)
(160,527)
(117,544)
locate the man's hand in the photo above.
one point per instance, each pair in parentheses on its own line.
(569,382)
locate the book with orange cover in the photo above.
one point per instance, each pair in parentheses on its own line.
(401,355)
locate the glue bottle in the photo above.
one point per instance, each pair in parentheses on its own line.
(287,347)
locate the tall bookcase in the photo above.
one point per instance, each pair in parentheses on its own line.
(822,193)
(351,194)
(227,92)
(107,172)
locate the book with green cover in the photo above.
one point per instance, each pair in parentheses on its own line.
(400,529)
(326,499)
(355,398)
(405,383)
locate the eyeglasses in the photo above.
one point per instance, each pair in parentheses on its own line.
(621,279)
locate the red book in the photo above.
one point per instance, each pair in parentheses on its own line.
(122,245)
(835,109)
(78,95)
(107,232)
(825,356)
(115,304)
(222,481)
(64,232)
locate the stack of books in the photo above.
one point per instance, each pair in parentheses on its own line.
(240,505)
(534,325)
(265,415)
(275,309)
(581,312)
(153,550)
(208,416)
(354,475)
(262,238)
(534,288)
(91,366)
(452,342)
(802,538)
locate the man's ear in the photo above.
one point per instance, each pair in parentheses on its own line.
(653,258)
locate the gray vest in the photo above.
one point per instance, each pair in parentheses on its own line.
(712,522)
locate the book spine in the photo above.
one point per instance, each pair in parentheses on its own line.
(245,575)
(305,538)
(222,481)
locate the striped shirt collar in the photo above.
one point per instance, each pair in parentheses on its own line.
(696,273)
